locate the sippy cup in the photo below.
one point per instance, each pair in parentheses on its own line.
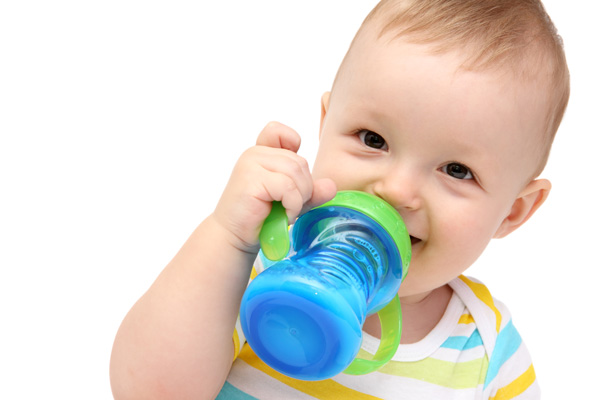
(303,315)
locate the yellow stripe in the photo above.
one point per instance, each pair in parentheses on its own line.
(517,386)
(466,319)
(236,344)
(253,273)
(327,389)
(484,295)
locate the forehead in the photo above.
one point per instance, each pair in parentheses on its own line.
(407,87)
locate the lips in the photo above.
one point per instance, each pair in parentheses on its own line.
(414,240)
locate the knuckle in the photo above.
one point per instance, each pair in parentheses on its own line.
(304,164)
(289,185)
(300,165)
(246,156)
(297,168)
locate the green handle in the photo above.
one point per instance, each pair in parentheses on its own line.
(390,318)
(274,237)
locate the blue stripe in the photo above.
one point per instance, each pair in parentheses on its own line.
(230,392)
(507,343)
(463,342)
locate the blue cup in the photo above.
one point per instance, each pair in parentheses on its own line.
(303,315)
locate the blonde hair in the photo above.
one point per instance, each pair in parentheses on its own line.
(517,35)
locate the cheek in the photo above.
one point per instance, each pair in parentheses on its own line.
(333,159)
(465,235)
(338,167)
(322,167)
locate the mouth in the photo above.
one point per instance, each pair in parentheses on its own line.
(414,240)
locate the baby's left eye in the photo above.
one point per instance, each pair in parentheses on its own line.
(457,171)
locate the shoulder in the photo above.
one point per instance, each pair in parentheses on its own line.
(490,315)
(510,366)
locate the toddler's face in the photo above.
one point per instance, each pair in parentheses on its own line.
(450,149)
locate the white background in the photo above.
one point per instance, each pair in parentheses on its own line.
(120,122)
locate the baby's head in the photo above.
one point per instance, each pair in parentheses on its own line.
(447,109)
(512,37)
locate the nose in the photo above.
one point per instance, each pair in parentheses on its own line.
(400,187)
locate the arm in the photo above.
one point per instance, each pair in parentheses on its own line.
(176,341)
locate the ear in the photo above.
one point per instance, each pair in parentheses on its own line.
(324,107)
(526,204)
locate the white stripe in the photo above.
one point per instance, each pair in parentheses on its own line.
(260,385)
(465,329)
(457,356)
(485,318)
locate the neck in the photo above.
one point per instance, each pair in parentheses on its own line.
(419,315)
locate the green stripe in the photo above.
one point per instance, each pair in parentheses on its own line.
(461,375)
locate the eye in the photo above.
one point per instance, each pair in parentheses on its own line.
(457,171)
(372,139)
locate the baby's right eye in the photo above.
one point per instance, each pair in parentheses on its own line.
(372,139)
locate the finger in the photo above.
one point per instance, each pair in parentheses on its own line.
(323,191)
(282,188)
(291,165)
(279,136)
(260,167)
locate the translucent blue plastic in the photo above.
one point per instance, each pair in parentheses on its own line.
(303,316)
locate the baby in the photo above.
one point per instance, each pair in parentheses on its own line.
(447,110)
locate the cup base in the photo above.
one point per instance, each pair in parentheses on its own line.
(302,331)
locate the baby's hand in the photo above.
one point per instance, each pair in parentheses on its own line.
(270,171)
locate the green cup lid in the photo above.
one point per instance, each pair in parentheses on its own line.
(382,213)
(275,241)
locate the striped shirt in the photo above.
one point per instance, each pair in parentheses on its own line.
(474,352)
